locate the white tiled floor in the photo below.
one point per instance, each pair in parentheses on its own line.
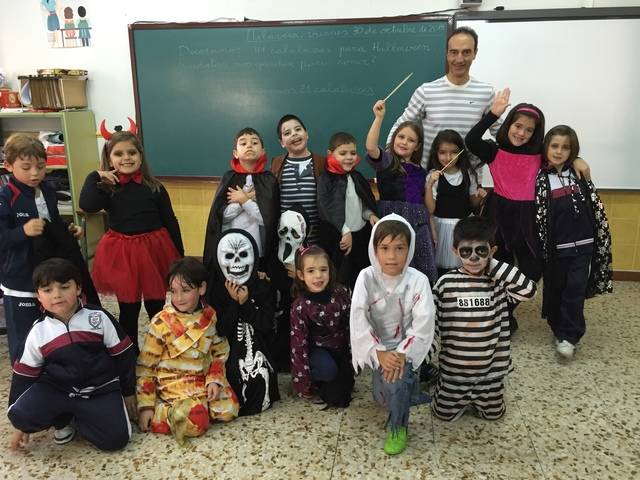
(565,420)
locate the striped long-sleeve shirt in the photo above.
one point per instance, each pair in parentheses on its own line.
(440,104)
(472,321)
(298,185)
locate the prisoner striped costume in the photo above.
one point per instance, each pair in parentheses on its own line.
(440,104)
(472,331)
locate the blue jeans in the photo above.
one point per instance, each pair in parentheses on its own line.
(323,366)
(398,396)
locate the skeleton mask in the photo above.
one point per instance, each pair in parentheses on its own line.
(292,231)
(236,257)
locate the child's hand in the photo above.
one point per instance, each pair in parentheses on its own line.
(346,243)
(481,193)
(239,293)
(144,419)
(75,230)
(132,406)
(213,390)
(291,270)
(19,440)
(237,195)
(379,109)
(109,177)
(434,177)
(582,169)
(388,360)
(34,227)
(263,276)
(373,219)
(501,102)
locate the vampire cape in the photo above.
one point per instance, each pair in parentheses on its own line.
(267,198)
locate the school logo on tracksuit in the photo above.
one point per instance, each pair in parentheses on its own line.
(95,320)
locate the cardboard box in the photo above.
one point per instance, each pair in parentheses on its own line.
(57,92)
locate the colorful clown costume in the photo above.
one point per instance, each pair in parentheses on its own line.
(182,354)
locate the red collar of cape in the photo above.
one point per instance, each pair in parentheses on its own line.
(259,168)
(333,165)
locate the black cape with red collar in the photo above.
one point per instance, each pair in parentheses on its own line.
(332,191)
(267,198)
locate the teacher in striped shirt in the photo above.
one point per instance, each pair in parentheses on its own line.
(455,101)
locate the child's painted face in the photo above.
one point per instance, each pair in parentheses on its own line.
(315,273)
(248,148)
(294,138)
(184,297)
(521,130)
(125,158)
(392,254)
(558,151)
(446,152)
(346,155)
(474,255)
(61,299)
(405,143)
(28,170)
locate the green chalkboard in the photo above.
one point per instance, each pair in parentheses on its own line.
(196,85)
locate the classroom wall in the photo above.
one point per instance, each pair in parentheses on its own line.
(23,49)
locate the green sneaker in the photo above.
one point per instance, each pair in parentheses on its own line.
(396,441)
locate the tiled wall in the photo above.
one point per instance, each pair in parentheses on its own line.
(192,199)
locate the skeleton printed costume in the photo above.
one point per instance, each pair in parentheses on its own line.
(182,354)
(248,327)
(392,314)
(472,329)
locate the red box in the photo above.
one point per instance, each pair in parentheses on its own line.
(9,99)
(56,161)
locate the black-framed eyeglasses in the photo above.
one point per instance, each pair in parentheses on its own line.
(481,250)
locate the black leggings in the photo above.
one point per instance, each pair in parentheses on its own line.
(129,313)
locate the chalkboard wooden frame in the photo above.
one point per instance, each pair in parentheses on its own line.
(402,98)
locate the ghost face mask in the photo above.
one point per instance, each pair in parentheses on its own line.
(292,231)
(236,257)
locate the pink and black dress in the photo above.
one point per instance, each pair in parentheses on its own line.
(511,205)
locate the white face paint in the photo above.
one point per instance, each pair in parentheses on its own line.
(292,231)
(236,257)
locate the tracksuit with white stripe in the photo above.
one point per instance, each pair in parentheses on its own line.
(80,370)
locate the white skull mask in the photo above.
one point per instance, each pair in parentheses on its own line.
(236,257)
(292,231)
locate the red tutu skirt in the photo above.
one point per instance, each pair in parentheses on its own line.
(133,267)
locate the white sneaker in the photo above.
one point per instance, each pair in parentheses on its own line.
(64,435)
(565,348)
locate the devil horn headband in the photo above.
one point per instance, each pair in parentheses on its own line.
(106,134)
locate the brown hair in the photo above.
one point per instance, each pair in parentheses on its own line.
(416,157)
(563,131)
(341,138)
(299,287)
(105,163)
(395,228)
(21,145)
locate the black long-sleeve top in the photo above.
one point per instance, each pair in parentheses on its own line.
(133,208)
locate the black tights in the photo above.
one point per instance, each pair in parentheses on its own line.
(129,313)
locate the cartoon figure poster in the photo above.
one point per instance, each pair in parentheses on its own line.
(67,23)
